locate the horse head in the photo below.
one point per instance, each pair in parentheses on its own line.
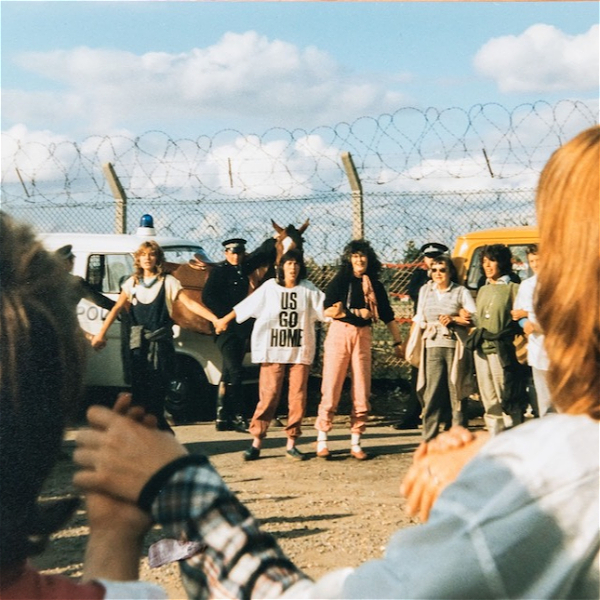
(288,238)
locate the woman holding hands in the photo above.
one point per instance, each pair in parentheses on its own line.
(148,295)
(283,340)
(445,373)
(354,299)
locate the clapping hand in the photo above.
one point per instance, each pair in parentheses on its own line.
(436,464)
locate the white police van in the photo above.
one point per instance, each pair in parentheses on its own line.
(104,261)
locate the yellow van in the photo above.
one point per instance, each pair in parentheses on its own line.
(468,248)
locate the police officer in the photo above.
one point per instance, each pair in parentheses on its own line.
(80,288)
(227,285)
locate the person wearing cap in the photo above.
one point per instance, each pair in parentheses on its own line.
(420,276)
(227,285)
(80,288)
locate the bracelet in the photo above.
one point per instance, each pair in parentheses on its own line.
(397,344)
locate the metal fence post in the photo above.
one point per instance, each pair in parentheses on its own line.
(358,220)
(119,194)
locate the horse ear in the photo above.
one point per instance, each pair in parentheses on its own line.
(277,228)
(304,227)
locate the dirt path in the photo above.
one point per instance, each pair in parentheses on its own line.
(325,514)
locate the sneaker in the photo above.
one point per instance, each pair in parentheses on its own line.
(324,453)
(251,454)
(295,454)
(359,454)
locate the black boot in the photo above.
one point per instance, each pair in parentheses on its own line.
(222,422)
(236,402)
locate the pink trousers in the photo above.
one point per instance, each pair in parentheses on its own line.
(270,382)
(346,346)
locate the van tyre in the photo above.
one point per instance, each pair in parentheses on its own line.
(190,397)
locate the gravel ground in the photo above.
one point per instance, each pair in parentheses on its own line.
(325,514)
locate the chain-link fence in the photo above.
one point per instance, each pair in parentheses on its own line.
(426,175)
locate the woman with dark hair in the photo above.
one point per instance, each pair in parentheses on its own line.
(148,296)
(499,374)
(283,341)
(445,373)
(42,360)
(354,299)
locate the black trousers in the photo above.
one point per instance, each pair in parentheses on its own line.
(232,346)
(149,388)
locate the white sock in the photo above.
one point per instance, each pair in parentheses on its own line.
(355,441)
(321,440)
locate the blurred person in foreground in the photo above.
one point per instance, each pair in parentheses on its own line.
(42,362)
(519,521)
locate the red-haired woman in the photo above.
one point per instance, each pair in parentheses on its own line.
(148,295)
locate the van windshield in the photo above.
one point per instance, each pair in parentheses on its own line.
(182,254)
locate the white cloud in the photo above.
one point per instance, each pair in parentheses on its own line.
(241,75)
(542,59)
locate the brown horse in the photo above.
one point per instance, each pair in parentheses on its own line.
(194,274)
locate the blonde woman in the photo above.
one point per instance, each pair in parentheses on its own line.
(148,296)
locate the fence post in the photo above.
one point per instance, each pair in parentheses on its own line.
(120,197)
(358,221)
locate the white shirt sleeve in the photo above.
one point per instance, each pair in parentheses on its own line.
(132,590)
(467,300)
(172,289)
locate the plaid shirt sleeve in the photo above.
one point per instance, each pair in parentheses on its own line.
(239,560)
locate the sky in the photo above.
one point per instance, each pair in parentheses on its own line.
(85,68)
(78,69)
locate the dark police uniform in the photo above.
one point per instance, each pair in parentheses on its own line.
(228,285)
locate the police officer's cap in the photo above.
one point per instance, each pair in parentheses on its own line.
(235,245)
(433,249)
(65,252)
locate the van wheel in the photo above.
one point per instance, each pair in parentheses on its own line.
(190,397)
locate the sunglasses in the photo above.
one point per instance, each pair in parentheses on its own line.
(442,270)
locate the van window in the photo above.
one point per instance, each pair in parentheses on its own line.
(520,264)
(106,272)
(183,254)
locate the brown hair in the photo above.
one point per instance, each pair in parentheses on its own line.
(41,365)
(567,303)
(153,247)
(444,259)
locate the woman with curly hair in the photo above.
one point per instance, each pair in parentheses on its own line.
(354,299)
(148,296)
(499,374)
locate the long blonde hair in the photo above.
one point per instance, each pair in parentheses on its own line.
(148,246)
(568,292)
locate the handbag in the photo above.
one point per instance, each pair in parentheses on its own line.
(414,345)
(520,342)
